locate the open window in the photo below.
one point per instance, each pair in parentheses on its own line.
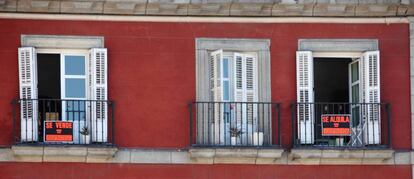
(233,106)
(64,90)
(338,100)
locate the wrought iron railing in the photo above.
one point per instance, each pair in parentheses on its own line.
(63,121)
(234,124)
(341,125)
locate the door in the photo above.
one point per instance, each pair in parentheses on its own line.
(355,102)
(226,98)
(73,92)
(233,82)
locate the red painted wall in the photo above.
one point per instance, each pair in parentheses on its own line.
(152,71)
(81,170)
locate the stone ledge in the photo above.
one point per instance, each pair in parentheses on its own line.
(228,8)
(347,156)
(268,156)
(60,153)
(236,155)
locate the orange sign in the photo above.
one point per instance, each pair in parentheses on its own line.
(336,124)
(58,131)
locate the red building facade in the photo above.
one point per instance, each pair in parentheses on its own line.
(153,75)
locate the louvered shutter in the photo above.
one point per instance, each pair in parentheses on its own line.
(28,91)
(304,82)
(254,124)
(251,87)
(98,90)
(217,95)
(239,70)
(371,95)
(245,90)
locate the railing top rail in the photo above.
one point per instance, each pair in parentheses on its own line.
(255,102)
(381,103)
(88,100)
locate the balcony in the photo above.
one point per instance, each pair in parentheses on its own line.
(341,125)
(63,122)
(235,124)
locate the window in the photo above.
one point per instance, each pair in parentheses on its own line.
(66,84)
(357,61)
(233,92)
(233,77)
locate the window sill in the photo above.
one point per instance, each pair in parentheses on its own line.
(62,153)
(236,155)
(344,156)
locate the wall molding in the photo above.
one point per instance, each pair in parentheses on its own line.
(268,8)
(338,45)
(62,41)
(208,19)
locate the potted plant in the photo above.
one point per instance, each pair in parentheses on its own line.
(234,134)
(86,137)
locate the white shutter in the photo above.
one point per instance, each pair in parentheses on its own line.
(239,70)
(371,95)
(215,75)
(216,95)
(98,90)
(251,88)
(255,126)
(28,91)
(304,82)
(245,90)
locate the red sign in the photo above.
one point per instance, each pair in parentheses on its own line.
(336,124)
(58,131)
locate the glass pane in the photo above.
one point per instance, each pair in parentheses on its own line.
(225,68)
(354,72)
(74,65)
(226,89)
(355,93)
(355,116)
(75,88)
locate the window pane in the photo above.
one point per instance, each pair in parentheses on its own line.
(225,68)
(75,88)
(354,72)
(355,93)
(74,65)
(226,89)
(355,116)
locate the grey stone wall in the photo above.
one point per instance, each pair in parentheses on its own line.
(317,8)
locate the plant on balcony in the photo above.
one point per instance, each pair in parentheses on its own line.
(86,134)
(235,133)
(84,131)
